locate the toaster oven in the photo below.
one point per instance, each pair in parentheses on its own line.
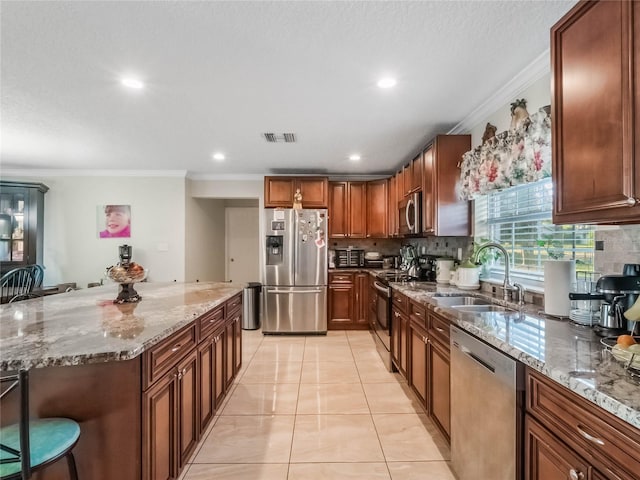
(349,257)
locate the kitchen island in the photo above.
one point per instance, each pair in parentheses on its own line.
(142,379)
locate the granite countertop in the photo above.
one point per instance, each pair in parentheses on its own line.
(85,326)
(568,353)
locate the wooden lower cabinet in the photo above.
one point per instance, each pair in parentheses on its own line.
(159,425)
(419,359)
(179,404)
(188,391)
(429,367)
(399,340)
(438,365)
(547,458)
(348,301)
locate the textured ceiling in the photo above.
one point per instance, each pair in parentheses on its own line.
(219,74)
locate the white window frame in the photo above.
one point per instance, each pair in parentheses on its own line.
(518,210)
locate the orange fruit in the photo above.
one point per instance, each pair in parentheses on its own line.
(625,341)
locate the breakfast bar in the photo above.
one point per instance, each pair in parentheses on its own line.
(143,379)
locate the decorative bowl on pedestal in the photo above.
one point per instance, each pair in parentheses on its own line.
(126,276)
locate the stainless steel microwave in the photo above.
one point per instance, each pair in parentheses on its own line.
(410,214)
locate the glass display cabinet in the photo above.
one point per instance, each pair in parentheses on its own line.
(21,224)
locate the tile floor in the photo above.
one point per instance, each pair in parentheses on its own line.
(318,408)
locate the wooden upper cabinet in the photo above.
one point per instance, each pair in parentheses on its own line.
(443,214)
(314,191)
(407,181)
(595,57)
(416,173)
(338,210)
(279,191)
(392,207)
(357,209)
(347,209)
(378,209)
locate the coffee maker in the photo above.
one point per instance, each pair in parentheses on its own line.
(619,293)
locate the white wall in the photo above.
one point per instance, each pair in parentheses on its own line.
(204,238)
(74,253)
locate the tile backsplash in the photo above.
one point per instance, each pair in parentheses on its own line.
(621,245)
(440,246)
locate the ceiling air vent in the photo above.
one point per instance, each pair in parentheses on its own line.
(280,137)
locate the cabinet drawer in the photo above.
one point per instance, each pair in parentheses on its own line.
(234,303)
(439,329)
(208,322)
(418,313)
(341,278)
(160,358)
(592,432)
(400,301)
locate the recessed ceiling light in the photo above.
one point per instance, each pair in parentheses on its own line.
(131,82)
(387,82)
(354,158)
(218,156)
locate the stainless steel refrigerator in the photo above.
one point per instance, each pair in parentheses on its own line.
(295,271)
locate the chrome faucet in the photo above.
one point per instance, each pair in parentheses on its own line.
(507,286)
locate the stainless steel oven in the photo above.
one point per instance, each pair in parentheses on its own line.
(381,324)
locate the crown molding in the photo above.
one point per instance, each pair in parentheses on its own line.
(6,172)
(225,176)
(538,68)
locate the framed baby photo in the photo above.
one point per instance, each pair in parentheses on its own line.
(114,221)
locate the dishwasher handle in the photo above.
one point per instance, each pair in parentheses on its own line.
(474,357)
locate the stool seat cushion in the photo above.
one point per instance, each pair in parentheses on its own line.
(49,438)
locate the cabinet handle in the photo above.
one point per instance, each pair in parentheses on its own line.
(212,320)
(632,202)
(575,474)
(591,438)
(184,371)
(179,375)
(439,329)
(176,347)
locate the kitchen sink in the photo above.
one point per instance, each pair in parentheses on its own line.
(481,308)
(461,301)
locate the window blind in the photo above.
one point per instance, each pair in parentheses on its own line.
(519,218)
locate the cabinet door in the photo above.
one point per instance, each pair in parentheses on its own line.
(159,420)
(278,192)
(418,369)
(340,306)
(188,394)
(361,300)
(439,385)
(393,207)
(237,347)
(377,213)
(404,344)
(428,205)
(228,353)
(338,210)
(219,369)
(593,119)
(315,192)
(547,458)
(206,374)
(416,173)
(396,325)
(407,180)
(357,209)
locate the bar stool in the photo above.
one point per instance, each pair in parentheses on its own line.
(28,446)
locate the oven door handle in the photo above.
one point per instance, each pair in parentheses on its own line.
(381,288)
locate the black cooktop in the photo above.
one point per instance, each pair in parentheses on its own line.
(387,277)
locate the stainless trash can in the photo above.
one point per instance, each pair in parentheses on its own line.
(251,306)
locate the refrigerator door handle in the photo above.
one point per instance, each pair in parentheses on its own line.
(288,292)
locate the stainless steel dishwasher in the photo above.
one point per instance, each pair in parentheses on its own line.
(487,394)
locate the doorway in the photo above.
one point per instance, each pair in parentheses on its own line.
(242,244)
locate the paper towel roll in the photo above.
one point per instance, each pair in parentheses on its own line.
(558,277)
